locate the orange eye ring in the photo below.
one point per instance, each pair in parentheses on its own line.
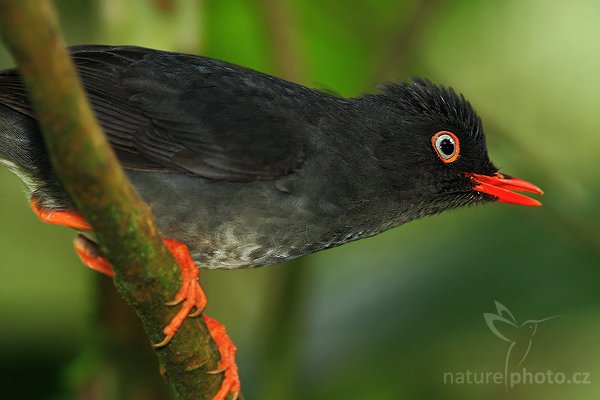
(442,143)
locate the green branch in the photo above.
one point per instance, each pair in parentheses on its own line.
(145,273)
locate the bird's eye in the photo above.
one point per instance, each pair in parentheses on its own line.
(446,146)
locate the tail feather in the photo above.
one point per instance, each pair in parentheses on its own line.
(13,93)
(22,150)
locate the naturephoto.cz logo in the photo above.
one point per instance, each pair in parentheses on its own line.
(519,338)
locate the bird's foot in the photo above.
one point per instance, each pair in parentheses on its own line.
(190,293)
(89,255)
(58,217)
(227,365)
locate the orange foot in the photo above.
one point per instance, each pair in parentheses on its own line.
(231,380)
(190,294)
(88,253)
(65,218)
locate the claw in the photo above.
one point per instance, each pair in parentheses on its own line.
(196,313)
(217,371)
(174,302)
(163,342)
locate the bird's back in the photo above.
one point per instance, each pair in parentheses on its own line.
(190,114)
(225,156)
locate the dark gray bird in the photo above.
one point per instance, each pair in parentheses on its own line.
(246,169)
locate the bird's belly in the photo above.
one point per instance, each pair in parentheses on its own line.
(229,225)
(229,250)
(240,242)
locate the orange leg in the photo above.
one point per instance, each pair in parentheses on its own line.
(231,380)
(65,218)
(190,294)
(88,253)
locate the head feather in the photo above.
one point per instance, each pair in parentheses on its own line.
(420,99)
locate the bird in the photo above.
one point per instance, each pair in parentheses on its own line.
(520,336)
(243,169)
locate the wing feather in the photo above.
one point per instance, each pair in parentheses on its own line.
(181,113)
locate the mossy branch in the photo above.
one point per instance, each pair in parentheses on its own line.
(145,273)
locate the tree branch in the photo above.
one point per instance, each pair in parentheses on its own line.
(145,273)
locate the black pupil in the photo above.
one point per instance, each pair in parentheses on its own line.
(447,147)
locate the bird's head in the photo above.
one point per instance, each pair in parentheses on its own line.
(531,326)
(434,151)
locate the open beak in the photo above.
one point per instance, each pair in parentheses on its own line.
(502,186)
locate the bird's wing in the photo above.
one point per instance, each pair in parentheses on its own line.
(181,113)
(12,92)
(500,326)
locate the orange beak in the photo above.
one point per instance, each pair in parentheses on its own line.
(501,186)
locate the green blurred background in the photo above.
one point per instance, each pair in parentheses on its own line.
(382,318)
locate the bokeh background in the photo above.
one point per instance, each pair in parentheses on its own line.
(382,318)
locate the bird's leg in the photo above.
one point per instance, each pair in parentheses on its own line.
(231,380)
(85,248)
(190,293)
(89,255)
(58,217)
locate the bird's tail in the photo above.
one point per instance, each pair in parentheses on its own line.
(22,150)
(19,140)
